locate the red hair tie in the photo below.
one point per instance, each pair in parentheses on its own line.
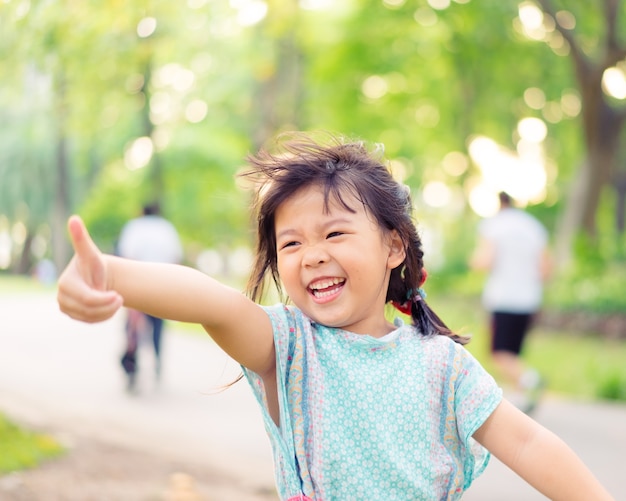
(413,296)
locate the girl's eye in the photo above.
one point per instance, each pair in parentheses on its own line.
(334,234)
(288,244)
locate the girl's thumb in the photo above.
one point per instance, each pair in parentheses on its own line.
(87,253)
(81,241)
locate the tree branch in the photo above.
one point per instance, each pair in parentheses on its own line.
(610,14)
(620,113)
(615,51)
(581,60)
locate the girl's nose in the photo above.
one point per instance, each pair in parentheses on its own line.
(314,255)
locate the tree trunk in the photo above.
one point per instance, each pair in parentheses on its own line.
(62,203)
(572,215)
(602,127)
(602,124)
(25,262)
(280,94)
(156,188)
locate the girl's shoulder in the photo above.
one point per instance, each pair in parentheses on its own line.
(284,311)
(287,319)
(438,347)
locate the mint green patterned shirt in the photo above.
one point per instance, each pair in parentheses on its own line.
(377,419)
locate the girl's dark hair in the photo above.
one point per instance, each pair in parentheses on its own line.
(340,168)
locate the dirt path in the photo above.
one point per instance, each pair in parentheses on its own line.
(93,470)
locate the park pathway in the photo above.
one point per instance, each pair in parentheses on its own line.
(57,373)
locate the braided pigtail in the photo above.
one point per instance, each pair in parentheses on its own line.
(406,290)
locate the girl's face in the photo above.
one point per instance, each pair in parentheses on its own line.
(335,266)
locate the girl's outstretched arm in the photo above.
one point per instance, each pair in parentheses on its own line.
(538,456)
(95,285)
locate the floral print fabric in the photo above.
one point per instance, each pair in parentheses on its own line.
(384,419)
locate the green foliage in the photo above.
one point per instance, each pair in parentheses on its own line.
(613,386)
(592,287)
(200,192)
(24,449)
(594,281)
(582,366)
(117,196)
(588,255)
(585,366)
(81,73)
(202,198)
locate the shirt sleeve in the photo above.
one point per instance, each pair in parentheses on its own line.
(476,397)
(288,481)
(281,328)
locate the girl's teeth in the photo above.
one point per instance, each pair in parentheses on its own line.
(327,288)
(323,294)
(326,285)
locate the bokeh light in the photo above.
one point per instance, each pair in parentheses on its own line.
(439,4)
(196,111)
(436,194)
(374,87)
(139,153)
(614,82)
(534,98)
(146,27)
(455,163)
(521,173)
(316,4)
(425,16)
(249,12)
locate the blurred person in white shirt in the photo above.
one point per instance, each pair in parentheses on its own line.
(150,238)
(513,249)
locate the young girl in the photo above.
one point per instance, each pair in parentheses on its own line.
(356,408)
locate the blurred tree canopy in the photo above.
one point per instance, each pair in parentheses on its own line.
(104,107)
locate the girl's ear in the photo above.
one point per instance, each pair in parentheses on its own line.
(397,251)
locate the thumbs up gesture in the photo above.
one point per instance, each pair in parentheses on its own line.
(82,292)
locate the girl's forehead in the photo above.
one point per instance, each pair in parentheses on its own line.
(312,206)
(332,200)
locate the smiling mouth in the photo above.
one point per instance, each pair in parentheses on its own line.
(325,288)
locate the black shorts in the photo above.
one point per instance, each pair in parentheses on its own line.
(508,330)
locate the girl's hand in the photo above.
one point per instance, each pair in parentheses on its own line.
(82,292)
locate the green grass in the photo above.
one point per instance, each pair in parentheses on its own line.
(582,366)
(17,284)
(23,449)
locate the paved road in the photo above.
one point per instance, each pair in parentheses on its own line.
(58,373)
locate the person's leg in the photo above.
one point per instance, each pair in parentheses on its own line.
(157,332)
(509,332)
(133,327)
(509,366)
(506,342)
